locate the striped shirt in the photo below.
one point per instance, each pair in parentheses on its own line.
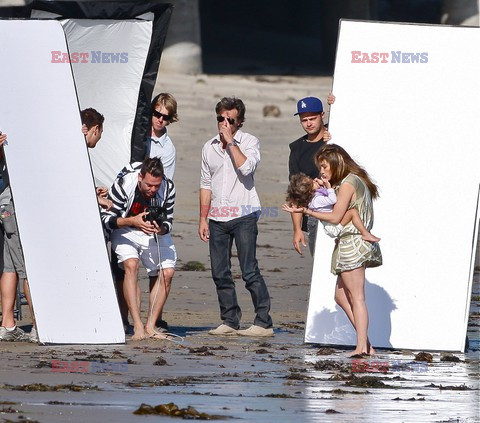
(122,194)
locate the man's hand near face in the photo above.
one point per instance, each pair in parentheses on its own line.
(226,132)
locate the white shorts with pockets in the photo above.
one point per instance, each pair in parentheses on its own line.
(133,243)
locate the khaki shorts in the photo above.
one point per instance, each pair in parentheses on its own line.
(12,255)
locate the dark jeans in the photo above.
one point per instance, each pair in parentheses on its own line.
(244,231)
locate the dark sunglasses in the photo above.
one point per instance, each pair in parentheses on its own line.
(231,121)
(159,115)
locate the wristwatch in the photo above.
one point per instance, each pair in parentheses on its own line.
(232,144)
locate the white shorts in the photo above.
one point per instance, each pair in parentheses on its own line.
(332,230)
(132,243)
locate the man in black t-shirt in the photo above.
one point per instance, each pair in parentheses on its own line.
(302,160)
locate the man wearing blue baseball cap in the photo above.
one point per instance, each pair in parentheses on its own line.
(301,160)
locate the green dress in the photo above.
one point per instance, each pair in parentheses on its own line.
(351,251)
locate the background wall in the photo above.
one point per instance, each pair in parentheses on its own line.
(285,37)
(296,38)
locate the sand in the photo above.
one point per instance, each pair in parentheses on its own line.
(267,380)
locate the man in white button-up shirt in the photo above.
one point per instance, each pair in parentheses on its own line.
(229,210)
(159,144)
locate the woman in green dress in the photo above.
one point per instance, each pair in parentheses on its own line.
(352,254)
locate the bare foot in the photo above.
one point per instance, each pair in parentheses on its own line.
(371,350)
(160,336)
(370,238)
(154,333)
(138,334)
(358,354)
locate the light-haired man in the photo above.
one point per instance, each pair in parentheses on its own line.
(158,143)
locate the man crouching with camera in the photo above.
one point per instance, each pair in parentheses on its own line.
(139,224)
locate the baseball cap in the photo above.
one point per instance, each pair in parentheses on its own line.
(309,105)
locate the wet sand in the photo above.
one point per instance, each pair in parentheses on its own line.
(258,380)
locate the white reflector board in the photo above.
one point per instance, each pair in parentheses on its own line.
(54,194)
(413,121)
(108,60)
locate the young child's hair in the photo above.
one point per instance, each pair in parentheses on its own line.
(300,190)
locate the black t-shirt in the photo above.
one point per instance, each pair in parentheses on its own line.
(302,157)
(139,205)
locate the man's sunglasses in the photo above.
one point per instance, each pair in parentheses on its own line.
(231,121)
(159,115)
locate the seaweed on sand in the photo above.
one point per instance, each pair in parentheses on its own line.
(424,356)
(160,362)
(173,410)
(332,365)
(367,382)
(41,387)
(193,266)
(462,387)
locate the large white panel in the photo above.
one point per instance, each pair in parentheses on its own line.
(108,78)
(52,183)
(415,127)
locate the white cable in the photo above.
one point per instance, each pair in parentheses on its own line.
(157,283)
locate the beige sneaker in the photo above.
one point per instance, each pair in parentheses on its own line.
(223,330)
(256,331)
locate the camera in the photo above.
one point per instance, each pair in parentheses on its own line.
(156,213)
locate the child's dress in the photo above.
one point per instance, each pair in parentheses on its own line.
(323,201)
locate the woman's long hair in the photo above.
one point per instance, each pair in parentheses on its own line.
(341,164)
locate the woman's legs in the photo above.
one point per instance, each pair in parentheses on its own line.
(350,296)
(342,299)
